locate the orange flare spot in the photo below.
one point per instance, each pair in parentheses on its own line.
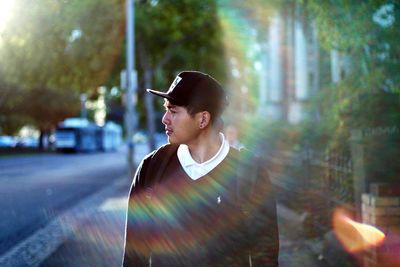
(355,236)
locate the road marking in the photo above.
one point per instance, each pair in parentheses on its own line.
(116,203)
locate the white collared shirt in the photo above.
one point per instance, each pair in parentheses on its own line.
(196,170)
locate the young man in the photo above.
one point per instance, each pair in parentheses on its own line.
(197,201)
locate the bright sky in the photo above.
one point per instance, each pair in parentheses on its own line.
(6,9)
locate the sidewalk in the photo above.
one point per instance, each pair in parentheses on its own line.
(295,250)
(98,240)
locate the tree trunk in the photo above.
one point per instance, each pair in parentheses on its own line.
(41,139)
(44,139)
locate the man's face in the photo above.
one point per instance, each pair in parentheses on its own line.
(180,127)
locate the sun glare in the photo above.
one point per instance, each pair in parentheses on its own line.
(6,9)
(353,235)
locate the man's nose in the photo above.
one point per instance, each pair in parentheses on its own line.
(165,119)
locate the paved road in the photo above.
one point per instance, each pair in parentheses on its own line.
(34,189)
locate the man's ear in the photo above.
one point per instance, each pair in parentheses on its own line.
(204,119)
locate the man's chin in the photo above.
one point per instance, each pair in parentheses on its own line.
(172,141)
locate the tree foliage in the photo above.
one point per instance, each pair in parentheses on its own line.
(54,50)
(367,33)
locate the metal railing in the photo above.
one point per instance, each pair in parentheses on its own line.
(313,181)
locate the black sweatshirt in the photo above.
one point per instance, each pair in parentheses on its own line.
(216,220)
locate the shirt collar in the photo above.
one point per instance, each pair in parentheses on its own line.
(186,159)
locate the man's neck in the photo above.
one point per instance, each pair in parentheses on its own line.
(206,146)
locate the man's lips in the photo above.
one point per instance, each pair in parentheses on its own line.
(168,131)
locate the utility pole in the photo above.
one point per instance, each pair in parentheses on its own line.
(83,99)
(131,78)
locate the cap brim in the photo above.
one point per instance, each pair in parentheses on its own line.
(162,94)
(158,93)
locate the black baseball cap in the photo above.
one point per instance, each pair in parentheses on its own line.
(194,88)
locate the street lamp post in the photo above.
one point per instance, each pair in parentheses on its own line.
(130,116)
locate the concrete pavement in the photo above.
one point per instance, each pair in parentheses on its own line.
(98,239)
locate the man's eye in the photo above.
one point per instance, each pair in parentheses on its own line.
(172,111)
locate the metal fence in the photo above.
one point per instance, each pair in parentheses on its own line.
(315,182)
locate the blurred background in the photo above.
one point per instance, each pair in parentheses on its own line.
(314,90)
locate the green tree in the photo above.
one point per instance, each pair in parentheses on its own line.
(54,50)
(367,33)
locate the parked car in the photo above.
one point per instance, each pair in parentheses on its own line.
(27,142)
(80,135)
(7,141)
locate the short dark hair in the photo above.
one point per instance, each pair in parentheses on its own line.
(215,109)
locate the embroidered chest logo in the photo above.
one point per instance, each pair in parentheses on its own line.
(174,83)
(219,199)
(149,192)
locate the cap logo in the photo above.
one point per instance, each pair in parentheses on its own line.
(174,83)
